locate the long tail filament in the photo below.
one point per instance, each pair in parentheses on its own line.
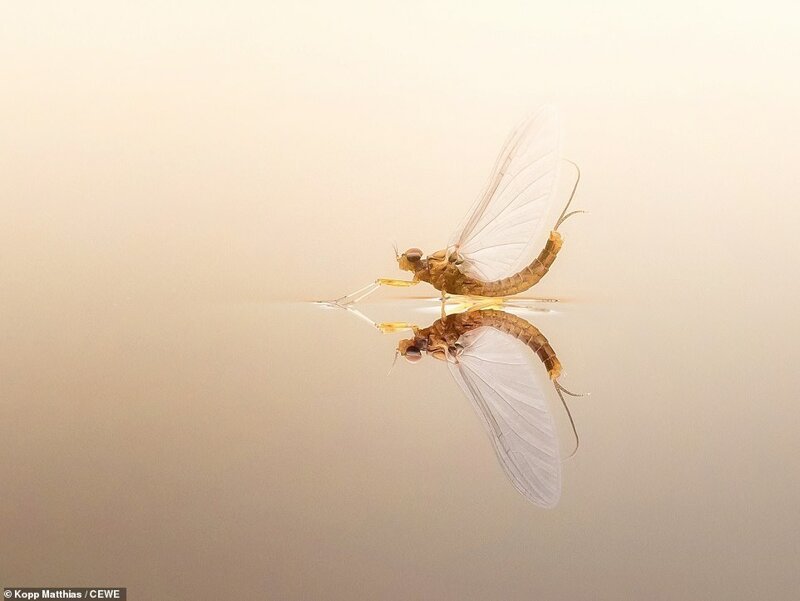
(564,215)
(561,392)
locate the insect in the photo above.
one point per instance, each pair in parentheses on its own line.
(492,252)
(488,352)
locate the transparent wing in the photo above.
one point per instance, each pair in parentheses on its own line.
(496,373)
(497,237)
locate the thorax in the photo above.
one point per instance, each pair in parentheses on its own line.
(443,274)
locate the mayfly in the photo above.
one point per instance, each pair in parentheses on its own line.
(492,252)
(488,353)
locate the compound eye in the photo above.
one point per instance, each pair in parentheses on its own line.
(413,254)
(413,354)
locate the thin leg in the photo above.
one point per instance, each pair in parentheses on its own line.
(397,283)
(354,297)
(361,293)
(385,326)
(487,303)
(475,303)
(444,304)
(389,327)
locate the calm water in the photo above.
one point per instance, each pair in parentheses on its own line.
(178,183)
(267,441)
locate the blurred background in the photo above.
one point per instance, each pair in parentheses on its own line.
(176,178)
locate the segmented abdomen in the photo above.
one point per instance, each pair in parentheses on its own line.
(521,281)
(522,330)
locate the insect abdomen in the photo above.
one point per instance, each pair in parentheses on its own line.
(527,333)
(529,276)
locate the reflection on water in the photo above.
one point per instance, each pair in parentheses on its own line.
(489,353)
(493,254)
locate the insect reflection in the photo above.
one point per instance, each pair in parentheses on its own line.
(489,353)
(493,252)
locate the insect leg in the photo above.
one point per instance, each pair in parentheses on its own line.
(389,327)
(398,283)
(361,293)
(386,327)
(480,304)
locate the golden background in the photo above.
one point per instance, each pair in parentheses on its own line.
(177,177)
